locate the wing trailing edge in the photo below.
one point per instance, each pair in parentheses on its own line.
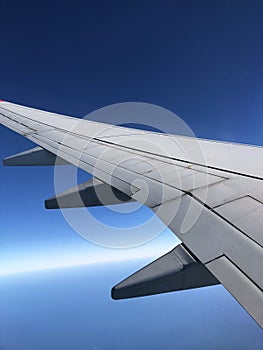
(176,270)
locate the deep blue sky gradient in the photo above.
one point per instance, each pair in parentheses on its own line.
(202,60)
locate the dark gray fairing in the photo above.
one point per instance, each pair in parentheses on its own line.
(176,270)
(34,156)
(88,194)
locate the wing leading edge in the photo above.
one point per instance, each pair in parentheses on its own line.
(212,201)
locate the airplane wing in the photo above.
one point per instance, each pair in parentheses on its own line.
(208,193)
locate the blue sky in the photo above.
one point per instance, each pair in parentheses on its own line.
(200,59)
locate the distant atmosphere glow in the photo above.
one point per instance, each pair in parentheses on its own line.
(32,266)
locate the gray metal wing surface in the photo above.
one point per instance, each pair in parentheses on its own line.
(208,193)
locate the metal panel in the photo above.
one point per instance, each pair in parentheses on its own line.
(152,194)
(194,181)
(21,129)
(205,152)
(203,232)
(234,188)
(247,214)
(54,135)
(248,257)
(120,131)
(137,165)
(168,173)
